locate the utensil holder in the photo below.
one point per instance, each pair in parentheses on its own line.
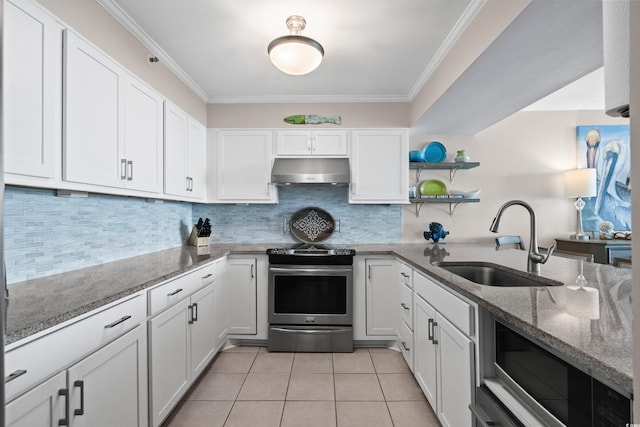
(194,240)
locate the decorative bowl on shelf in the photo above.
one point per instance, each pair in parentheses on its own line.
(473,194)
(416,156)
(433,187)
(434,152)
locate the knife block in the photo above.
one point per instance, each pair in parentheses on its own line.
(194,240)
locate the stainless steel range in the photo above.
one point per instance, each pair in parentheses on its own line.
(311,299)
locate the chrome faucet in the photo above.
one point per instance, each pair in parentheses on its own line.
(534,258)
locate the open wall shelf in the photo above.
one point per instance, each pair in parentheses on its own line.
(453,167)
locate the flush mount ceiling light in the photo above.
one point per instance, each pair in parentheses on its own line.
(295,54)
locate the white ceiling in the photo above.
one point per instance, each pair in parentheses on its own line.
(375,50)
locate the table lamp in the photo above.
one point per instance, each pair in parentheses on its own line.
(580,183)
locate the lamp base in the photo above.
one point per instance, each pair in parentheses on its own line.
(579,237)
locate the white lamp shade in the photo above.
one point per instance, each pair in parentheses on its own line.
(580,183)
(295,55)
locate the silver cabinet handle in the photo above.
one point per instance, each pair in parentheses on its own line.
(405,275)
(80,384)
(117,322)
(194,311)
(176,292)
(433,333)
(187,183)
(190,308)
(130,167)
(207,276)
(252,271)
(15,374)
(63,392)
(309,146)
(404,306)
(123,168)
(404,345)
(430,330)
(369,273)
(190,183)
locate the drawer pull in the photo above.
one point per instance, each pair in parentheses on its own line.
(117,322)
(208,275)
(404,345)
(64,393)
(80,384)
(404,306)
(176,292)
(405,275)
(15,374)
(194,315)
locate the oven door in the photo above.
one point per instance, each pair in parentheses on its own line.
(310,295)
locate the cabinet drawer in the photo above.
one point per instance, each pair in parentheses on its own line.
(169,293)
(406,344)
(44,356)
(406,305)
(406,274)
(457,311)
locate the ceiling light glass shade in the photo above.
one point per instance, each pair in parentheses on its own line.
(295,54)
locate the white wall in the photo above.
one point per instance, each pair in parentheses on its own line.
(521,157)
(634,48)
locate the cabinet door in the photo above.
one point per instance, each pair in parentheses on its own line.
(244,166)
(196,159)
(143,133)
(109,387)
(455,374)
(379,167)
(43,406)
(175,142)
(329,143)
(293,143)
(169,358)
(381,290)
(203,337)
(241,289)
(424,355)
(31,89)
(92,112)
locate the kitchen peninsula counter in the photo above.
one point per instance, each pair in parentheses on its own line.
(603,346)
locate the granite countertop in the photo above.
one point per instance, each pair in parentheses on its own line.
(603,346)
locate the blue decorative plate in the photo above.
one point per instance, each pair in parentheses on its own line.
(435,152)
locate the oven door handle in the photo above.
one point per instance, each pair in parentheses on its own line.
(311,331)
(481,416)
(310,270)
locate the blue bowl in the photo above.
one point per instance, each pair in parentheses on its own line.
(416,156)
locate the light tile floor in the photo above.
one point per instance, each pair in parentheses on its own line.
(250,387)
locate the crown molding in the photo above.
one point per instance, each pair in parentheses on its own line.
(470,12)
(128,23)
(308,99)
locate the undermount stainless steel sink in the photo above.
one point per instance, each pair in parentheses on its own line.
(484,273)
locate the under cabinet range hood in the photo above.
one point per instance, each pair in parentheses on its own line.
(333,171)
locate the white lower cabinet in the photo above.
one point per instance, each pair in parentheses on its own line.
(443,360)
(182,344)
(105,389)
(43,406)
(381,290)
(242,296)
(109,388)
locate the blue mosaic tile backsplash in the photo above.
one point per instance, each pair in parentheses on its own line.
(265,223)
(45,234)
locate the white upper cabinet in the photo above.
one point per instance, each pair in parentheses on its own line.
(185,154)
(113,131)
(143,133)
(243,166)
(31,90)
(302,143)
(379,166)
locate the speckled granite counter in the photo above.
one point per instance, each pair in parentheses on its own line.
(603,346)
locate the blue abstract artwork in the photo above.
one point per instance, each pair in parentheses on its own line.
(607,149)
